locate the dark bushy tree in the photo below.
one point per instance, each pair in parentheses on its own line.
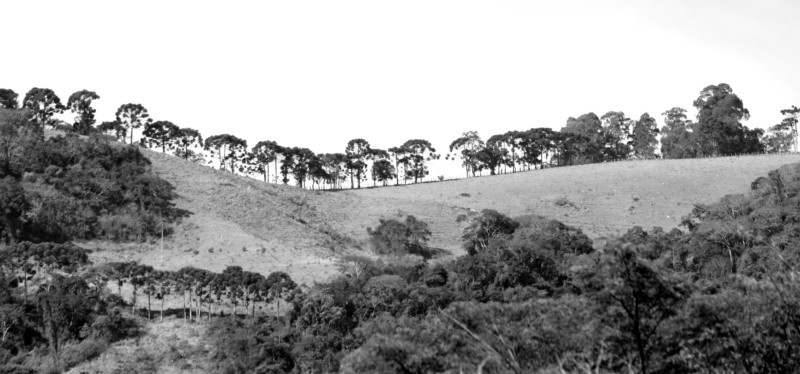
(644,139)
(719,116)
(489,224)
(8,99)
(393,237)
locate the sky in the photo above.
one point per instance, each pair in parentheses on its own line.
(316,74)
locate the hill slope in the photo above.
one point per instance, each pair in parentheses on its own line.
(264,227)
(236,221)
(602,199)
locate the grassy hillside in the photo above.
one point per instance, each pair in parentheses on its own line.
(264,227)
(602,199)
(236,221)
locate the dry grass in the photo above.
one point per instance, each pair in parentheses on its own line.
(602,199)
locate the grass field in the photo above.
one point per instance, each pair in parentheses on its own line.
(602,199)
(265,227)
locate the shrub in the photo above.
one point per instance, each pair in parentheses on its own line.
(489,224)
(393,237)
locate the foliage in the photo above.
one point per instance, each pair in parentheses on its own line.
(719,112)
(393,237)
(8,99)
(132,116)
(228,149)
(161,134)
(644,137)
(42,104)
(185,141)
(489,224)
(80,103)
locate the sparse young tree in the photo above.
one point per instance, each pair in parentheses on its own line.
(80,103)
(132,116)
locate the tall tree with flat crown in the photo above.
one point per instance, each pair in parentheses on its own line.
(80,103)
(160,134)
(132,116)
(357,152)
(185,140)
(227,148)
(43,103)
(470,144)
(264,153)
(419,153)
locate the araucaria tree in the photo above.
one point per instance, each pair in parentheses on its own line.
(357,152)
(787,129)
(719,116)
(228,149)
(419,153)
(469,144)
(160,134)
(80,103)
(644,137)
(264,153)
(132,116)
(43,103)
(186,140)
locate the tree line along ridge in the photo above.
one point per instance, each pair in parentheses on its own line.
(589,138)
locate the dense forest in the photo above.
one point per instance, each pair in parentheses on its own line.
(531,294)
(589,138)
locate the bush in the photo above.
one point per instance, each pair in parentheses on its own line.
(393,237)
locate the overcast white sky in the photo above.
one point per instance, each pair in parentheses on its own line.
(319,73)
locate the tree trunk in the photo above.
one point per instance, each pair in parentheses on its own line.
(133,304)
(162,307)
(148,307)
